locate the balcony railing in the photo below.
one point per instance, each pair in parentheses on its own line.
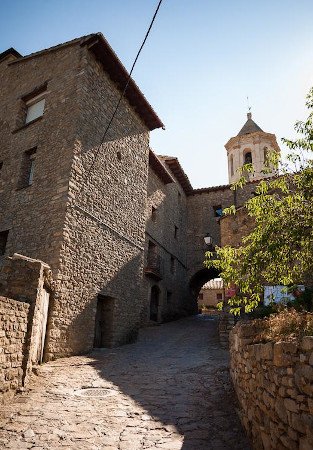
(154,266)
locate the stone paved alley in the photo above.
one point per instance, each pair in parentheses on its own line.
(170,390)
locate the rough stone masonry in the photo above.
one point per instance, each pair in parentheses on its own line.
(121,228)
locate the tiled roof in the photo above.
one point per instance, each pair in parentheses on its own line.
(159,168)
(249,127)
(216,283)
(99,46)
(221,187)
(178,172)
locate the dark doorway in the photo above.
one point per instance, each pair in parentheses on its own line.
(104,322)
(154,303)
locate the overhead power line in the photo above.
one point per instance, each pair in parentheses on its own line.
(119,100)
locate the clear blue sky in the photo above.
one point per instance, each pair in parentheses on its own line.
(201,61)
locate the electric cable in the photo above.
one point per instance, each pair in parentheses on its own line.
(94,159)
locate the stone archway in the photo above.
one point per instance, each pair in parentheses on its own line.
(200,278)
(197,281)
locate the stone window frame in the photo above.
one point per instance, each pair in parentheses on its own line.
(219,296)
(37,94)
(31,115)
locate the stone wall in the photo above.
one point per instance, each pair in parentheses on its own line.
(235,227)
(226,323)
(102,250)
(25,287)
(202,220)
(274,385)
(34,214)
(93,241)
(165,210)
(210,297)
(13,330)
(84,213)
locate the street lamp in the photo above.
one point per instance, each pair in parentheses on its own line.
(208,239)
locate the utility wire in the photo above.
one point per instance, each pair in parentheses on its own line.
(120,99)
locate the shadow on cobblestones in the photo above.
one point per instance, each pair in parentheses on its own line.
(170,390)
(179,376)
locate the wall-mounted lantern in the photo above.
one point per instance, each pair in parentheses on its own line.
(208,239)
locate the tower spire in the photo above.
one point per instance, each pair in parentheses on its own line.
(249,113)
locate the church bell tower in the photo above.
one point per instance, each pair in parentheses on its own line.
(251,145)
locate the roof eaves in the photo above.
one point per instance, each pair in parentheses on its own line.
(115,69)
(117,72)
(51,49)
(210,189)
(159,168)
(8,52)
(178,172)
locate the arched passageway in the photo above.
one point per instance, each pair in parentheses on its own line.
(200,278)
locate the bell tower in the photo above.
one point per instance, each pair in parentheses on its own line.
(251,145)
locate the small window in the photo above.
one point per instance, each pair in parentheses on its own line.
(219,296)
(231,162)
(248,158)
(218,211)
(1,165)
(153,214)
(179,196)
(3,241)
(28,167)
(168,297)
(172,264)
(175,231)
(34,108)
(200,296)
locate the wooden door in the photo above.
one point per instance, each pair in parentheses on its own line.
(42,326)
(104,322)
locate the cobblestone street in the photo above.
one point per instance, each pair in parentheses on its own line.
(170,390)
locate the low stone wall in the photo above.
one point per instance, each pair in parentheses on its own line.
(13,330)
(25,286)
(226,322)
(274,384)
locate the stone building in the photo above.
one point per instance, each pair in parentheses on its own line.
(166,274)
(211,293)
(120,228)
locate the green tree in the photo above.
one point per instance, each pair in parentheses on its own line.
(279,249)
